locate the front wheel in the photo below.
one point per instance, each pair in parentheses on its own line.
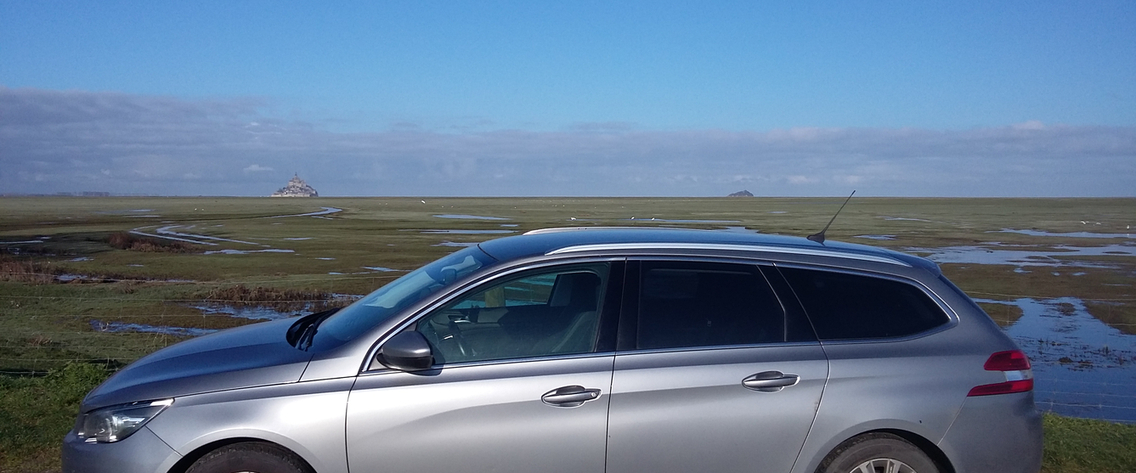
(249,457)
(877,453)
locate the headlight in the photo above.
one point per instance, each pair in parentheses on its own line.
(111,424)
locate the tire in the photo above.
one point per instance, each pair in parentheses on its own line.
(877,453)
(249,457)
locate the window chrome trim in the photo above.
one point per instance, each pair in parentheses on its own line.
(728,247)
(718,348)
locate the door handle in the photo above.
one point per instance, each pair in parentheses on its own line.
(569,396)
(770,381)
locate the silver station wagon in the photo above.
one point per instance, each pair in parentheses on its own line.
(588,351)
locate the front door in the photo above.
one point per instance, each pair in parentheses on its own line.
(520,383)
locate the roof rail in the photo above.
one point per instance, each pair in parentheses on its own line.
(731,247)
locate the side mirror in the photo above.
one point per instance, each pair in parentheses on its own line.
(407,351)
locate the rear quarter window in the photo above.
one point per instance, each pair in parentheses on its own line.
(846,306)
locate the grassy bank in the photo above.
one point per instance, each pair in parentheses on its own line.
(35,413)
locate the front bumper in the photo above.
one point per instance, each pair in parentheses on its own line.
(141,452)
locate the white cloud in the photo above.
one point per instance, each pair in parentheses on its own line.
(164,145)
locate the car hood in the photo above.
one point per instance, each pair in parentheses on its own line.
(253,355)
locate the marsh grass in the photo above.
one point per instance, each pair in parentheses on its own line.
(48,325)
(1084,445)
(36,412)
(122,282)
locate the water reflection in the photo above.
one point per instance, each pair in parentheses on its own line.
(469,232)
(877,237)
(252,312)
(469,217)
(1067,235)
(123,327)
(1082,367)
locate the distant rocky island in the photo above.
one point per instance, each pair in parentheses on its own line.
(296,188)
(741,194)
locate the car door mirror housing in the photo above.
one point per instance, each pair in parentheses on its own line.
(407,351)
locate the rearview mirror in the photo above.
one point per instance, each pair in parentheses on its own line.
(407,351)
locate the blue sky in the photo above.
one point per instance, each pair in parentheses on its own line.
(570,98)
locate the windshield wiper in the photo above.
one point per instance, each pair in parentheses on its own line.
(301,334)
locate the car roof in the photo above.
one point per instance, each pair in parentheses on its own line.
(550,241)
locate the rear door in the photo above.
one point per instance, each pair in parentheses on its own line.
(712,372)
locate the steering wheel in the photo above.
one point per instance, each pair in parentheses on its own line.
(463,347)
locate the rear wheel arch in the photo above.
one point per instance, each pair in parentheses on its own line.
(188,461)
(920,444)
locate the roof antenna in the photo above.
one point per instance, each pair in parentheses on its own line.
(819,237)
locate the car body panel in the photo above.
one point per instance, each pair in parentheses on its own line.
(306,418)
(253,355)
(142,452)
(480,417)
(664,402)
(969,439)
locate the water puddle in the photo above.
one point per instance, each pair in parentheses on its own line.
(1047,258)
(736,229)
(128,213)
(123,327)
(468,232)
(456,244)
(138,231)
(81,258)
(470,217)
(254,312)
(245,252)
(877,237)
(905,219)
(169,230)
(321,213)
(1082,367)
(370,270)
(672,220)
(74,277)
(1067,235)
(298,238)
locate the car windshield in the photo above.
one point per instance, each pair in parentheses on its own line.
(400,294)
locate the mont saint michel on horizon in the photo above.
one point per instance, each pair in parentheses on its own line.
(296,188)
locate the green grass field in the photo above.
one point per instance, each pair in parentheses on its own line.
(65,275)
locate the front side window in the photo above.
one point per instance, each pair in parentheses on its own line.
(846,306)
(553,311)
(706,304)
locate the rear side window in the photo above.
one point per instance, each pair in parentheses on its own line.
(848,306)
(706,304)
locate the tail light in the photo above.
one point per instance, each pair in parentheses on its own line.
(1015,365)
